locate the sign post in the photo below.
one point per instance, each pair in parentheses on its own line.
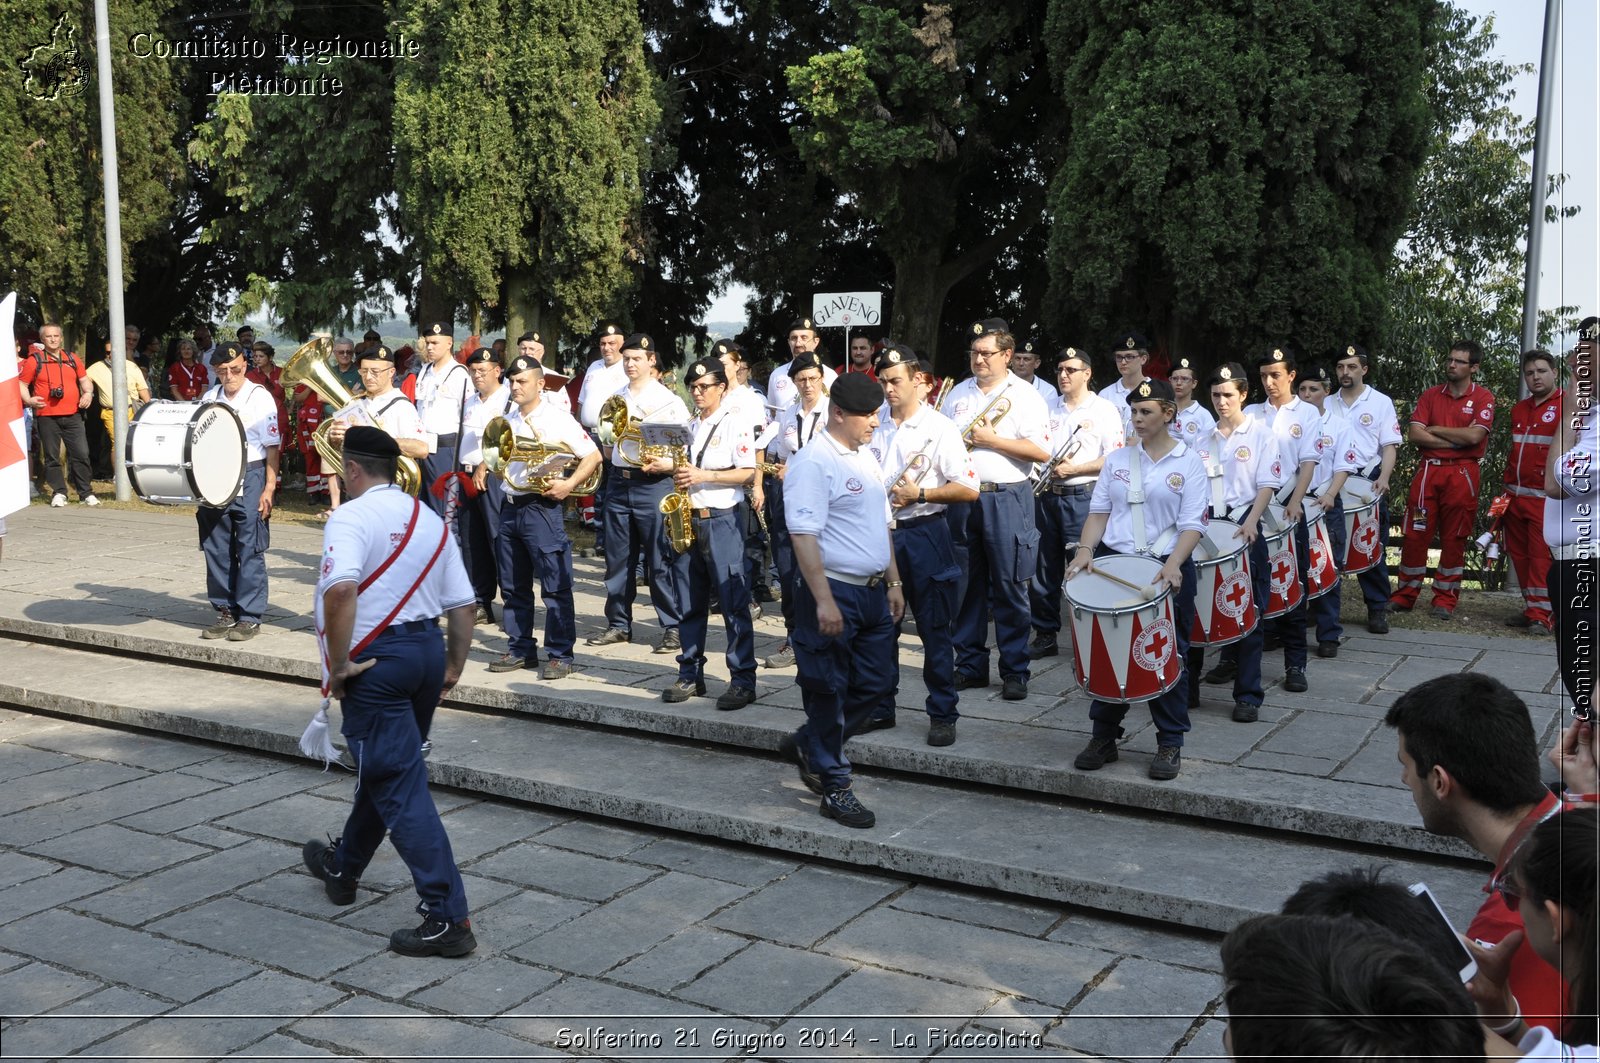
(846,310)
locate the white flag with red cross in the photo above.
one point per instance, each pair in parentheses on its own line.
(13,452)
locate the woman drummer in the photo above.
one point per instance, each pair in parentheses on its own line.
(1165,524)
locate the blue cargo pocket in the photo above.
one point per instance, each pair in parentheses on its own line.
(1027,560)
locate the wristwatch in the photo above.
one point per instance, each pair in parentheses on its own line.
(922,494)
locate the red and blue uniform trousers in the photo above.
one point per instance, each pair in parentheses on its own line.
(480,538)
(926,560)
(386,714)
(997,551)
(634,530)
(716,565)
(234,540)
(1059,513)
(1443,499)
(1169,712)
(1325,609)
(533,542)
(1245,654)
(1523,529)
(842,679)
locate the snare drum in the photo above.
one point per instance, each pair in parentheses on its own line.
(187,453)
(1224,607)
(1284,589)
(1323,574)
(1363,532)
(1124,647)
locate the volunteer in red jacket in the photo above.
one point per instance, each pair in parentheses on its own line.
(54,387)
(1533,426)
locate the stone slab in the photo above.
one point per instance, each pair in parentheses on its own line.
(265,936)
(804,907)
(680,959)
(766,979)
(1140,1008)
(117,850)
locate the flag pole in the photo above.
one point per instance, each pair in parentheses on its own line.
(1541,171)
(119,334)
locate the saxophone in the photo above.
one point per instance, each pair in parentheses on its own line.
(677,509)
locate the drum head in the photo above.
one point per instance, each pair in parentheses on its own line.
(216,454)
(1091,591)
(1221,539)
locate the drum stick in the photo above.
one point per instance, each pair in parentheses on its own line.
(1147,592)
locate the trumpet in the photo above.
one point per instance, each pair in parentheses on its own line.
(502,447)
(992,415)
(1048,472)
(941,393)
(916,467)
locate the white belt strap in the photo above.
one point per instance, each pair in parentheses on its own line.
(1136,497)
(1219,504)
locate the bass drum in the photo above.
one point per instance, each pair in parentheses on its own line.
(186,453)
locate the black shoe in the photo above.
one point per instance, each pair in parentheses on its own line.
(1042,646)
(942,733)
(243,631)
(1224,672)
(1014,688)
(842,805)
(735,697)
(670,642)
(319,859)
(765,593)
(511,663)
(1378,621)
(789,749)
(482,615)
(435,937)
(683,690)
(609,637)
(1441,613)
(1294,680)
(220,629)
(554,669)
(1520,620)
(875,723)
(1399,607)
(1096,755)
(1327,649)
(965,681)
(784,658)
(1244,712)
(1165,766)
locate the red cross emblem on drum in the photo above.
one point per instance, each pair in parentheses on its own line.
(1233,595)
(1153,648)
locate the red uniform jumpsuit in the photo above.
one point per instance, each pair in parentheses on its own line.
(1533,426)
(1444,495)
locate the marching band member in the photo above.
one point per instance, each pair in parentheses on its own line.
(1245,469)
(1167,524)
(1193,423)
(1082,429)
(480,514)
(529,345)
(752,406)
(385,405)
(603,379)
(800,422)
(802,339)
(1533,426)
(996,541)
(632,516)
(1025,363)
(722,459)
(1296,426)
(235,539)
(1375,438)
(925,468)
(1336,461)
(442,389)
(1130,359)
(533,537)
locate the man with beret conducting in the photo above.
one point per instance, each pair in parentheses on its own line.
(235,539)
(849,596)
(389,569)
(722,460)
(480,513)
(442,389)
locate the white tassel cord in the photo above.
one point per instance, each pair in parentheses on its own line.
(315,742)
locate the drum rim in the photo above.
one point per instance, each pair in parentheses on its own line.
(1142,604)
(188,457)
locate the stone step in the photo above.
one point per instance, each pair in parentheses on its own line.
(1155,865)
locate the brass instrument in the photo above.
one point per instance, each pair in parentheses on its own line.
(916,467)
(311,365)
(620,430)
(502,447)
(992,415)
(941,393)
(769,468)
(1048,473)
(677,509)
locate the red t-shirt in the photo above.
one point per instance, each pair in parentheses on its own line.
(1533,426)
(1437,408)
(187,381)
(41,373)
(1538,987)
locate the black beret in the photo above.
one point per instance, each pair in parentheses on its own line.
(606,328)
(482,354)
(856,393)
(522,363)
(225,353)
(1031,347)
(989,325)
(639,341)
(371,334)
(1073,352)
(723,347)
(371,442)
(1226,372)
(924,366)
(895,354)
(380,353)
(1355,350)
(440,328)
(528,337)
(1133,341)
(1589,329)
(803,324)
(1319,373)
(1276,356)
(1152,390)
(705,368)
(1185,362)
(802,362)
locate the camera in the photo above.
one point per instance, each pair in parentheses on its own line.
(55,394)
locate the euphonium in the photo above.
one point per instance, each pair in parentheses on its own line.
(677,509)
(502,446)
(620,430)
(992,415)
(310,365)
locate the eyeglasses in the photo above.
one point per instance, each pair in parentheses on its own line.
(979,353)
(379,371)
(235,370)
(1507,889)
(1075,369)
(1128,356)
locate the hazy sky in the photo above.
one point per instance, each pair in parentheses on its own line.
(1568,271)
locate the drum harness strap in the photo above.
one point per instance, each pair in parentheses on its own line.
(1141,544)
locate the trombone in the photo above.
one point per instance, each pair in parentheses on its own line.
(992,415)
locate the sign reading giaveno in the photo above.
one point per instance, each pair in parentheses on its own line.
(846,309)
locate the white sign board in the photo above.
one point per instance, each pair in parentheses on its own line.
(846,309)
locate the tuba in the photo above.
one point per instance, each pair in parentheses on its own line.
(310,365)
(502,447)
(678,510)
(991,416)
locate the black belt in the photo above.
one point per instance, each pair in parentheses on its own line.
(1067,489)
(639,474)
(448,441)
(517,498)
(259,463)
(990,489)
(411,627)
(913,522)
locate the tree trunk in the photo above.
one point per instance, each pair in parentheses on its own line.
(433,304)
(920,287)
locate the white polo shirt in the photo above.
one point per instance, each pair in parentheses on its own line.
(393,413)
(656,404)
(781,391)
(925,432)
(1372,420)
(726,441)
(1117,394)
(442,391)
(1334,452)
(1094,428)
(1193,425)
(551,424)
(1296,424)
(837,495)
(257,410)
(1248,458)
(1047,391)
(600,382)
(1175,498)
(1026,419)
(480,411)
(796,428)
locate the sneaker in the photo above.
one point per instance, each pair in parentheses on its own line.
(1165,766)
(58,502)
(90,500)
(609,637)
(482,616)
(942,733)
(1378,621)
(735,697)
(556,669)
(1541,627)
(670,642)
(784,658)
(967,681)
(1043,645)
(1244,712)
(341,889)
(1439,612)
(683,690)
(843,806)
(1014,688)
(1294,680)
(1520,620)
(789,749)
(243,631)
(220,629)
(1327,649)
(1096,755)
(435,937)
(510,662)
(1224,672)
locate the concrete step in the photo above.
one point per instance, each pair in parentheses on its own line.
(1154,865)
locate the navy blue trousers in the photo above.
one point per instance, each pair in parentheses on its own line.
(533,543)
(387,711)
(997,550)
(1059,519)
(634,528)
(782,549)
(844,678)
(480,534)
(435,465)
(234,540)
(926,560)
(717,561)
(1169,712)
